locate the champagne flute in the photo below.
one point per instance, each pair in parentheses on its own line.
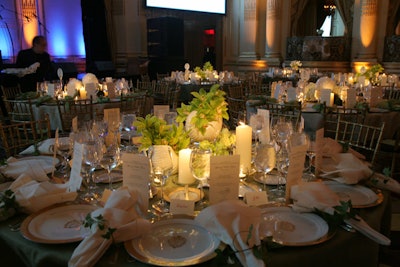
(200,168)
(265,160)
(161,162)
(311,147)
(282,165)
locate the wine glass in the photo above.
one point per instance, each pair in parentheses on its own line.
(162,165)
(110,159)
(64,145)
(256,123)
(265,160)
(311,147)
(128,129)
(200,168)
(92,153)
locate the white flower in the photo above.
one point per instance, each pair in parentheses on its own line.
(296,64)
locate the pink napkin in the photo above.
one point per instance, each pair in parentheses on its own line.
(226,220)
(122,212)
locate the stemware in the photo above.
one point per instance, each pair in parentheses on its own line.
(162,165)
(64,147)
(128,129)
(311,144)
(282,165)
(110,159)
(92,153)
(256,123)
(200,168)
(265,160)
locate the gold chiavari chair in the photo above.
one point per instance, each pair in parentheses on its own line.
(16,137)
(332,115)
(19,110)
(68,109)
(363,138)
(145,86)
(134,104)
(288,111)
(236,91)
(392,146)
(236,111)
(173,97)
(391,93)
(9,92)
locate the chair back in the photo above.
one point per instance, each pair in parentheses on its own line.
(145,86)
(19,110)
(16,137)
(134,104)
(9,92)
(236,111)
(288,111)
(333,114)
(392,93)
(363,138)
(173,97)
(236,91)
(68,109)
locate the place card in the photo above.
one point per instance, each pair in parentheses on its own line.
(160,111)
(264,136)
(256,198)
(297,157)
(224,178)
(75,179)
(135,174)
(181,206)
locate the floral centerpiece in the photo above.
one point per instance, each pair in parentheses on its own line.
(296,65)
(203,116)
(203,72)
(371,74)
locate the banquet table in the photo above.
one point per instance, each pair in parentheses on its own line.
(341,249)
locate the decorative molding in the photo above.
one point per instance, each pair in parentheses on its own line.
(250,8)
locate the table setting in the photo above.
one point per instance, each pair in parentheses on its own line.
(209,219)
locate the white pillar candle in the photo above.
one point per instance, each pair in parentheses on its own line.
(243,146)
(184,174)
(332,99)
(82,93)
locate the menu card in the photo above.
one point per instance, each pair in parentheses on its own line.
(327,96)
(111,90)
(224,178)
(296,158)
(112,117)
(351,98)
(135,174)
(75,179)
(376,96)
(160,110)
(265,134)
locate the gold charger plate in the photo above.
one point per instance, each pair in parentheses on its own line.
(56,224)
(174,242)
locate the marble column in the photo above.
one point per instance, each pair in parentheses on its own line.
(273,32)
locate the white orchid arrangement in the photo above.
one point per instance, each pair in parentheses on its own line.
(296,65)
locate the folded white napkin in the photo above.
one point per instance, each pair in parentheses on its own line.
(229,218)
(349,169)
(331,147)
(33,196)
(36,168)
(122,212)
(45,147)
(313,195)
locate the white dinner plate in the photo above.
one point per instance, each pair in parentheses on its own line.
(272,178)
(56,225)
(360,196)
(174,242)
(291,228)
(24,164)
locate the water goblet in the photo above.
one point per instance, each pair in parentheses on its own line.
(127,129)
(110,158)
(256,123)
(64,145)
(92,153)
(162,165)
(265,160)
(200,167)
